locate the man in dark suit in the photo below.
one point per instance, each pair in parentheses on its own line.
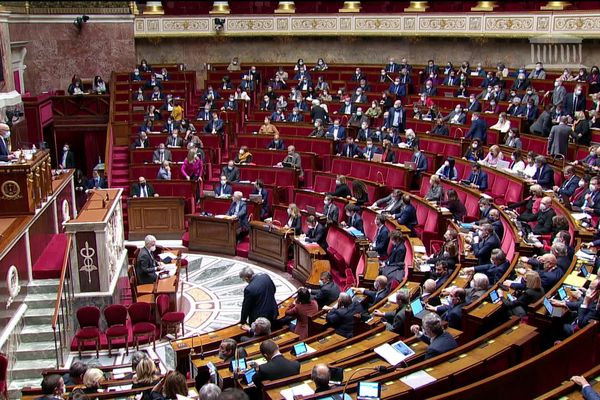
(267,104)
(420,161)
(474,104)
(478,179)
(203,115)
(456,116)
(259,297)
(223,188)
(574,101)
(494,219)
(397,116)
(515,109)
(330,210)
(231,172)
(543,123)
(441,273)
(408,215)
(230,104)
(354,218)
(358,75)
(484,244)
(316,232)
(544,175)
(67,159)
(478,129)
(369,150)
(161,154)
(390,204)
(550,275)
(433,334)
(174,140)
(276,143)
(328,292)
(336,131)
(341,319)
(397,88)
(347,108)
(382,236)
(143,189)
(590,201)
(558,141)
(452,313)
(295,116)
(145,264)
(494,271)
(318,112)
(544,217)
(350,149)
(530,112)
(397,253)
(238,209)
(276,367)
(215,126)
(569,184)
(97,182)
(380,292)
(5,153)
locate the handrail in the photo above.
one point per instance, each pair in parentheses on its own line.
(63,274)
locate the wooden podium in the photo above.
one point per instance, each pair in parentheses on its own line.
(270,244)
(162,217)
(213,234)
(310,261)
(25,184)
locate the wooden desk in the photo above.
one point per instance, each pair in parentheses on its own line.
(159,216)
(310,261)
(211,234)
(25,184)
(269,244)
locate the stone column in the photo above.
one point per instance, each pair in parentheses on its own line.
(18,53)
(556,52)
(8,83)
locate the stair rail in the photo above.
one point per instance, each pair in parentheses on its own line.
(63,324)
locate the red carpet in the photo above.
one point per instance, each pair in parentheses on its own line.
(49,265)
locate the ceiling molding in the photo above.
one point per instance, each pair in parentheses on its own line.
(522,25)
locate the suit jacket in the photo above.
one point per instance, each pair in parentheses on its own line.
(264,210)
(178,142)
(481,180)
(453,315)
(542,125)
(408,216)
(3,150)
(398,90)
(462,117)
(166,156)
(401,116)
(317,235)
(395,320)
(483,249)
(439,345)
(381,241)
(295,224)
(530,113)
(278,367)
(376,296)
(222,190)
(558,141)
(342,320)
(478,130)
(137,190)
(356,222)
(573,103)
(347,109)
(474,106)
(327,294)
(242,214)
(69,160)
(216,125)
(589,393)
(259,299)
(100,184)
(544,222)
(498,228)
(514,110)
(544,177)
(386,201)
(232,175)
(350,150)
(368,153)
(145,267)
(421,163)
(397,255)
(276,146)
(341,134)
(332,213)
(494,272)
(318,113)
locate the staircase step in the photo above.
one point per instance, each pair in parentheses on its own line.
(36,351)
(37,333)
(31,369)
(40,300)
(43,286)
(14,389)
(42,316)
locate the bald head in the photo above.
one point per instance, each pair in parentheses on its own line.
(320,375)
(4,128)
(429,286)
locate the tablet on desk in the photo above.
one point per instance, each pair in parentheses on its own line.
(209,193)
(369,391)
(494,297)
(239,365)
(248,376)
(300,349)
(562,293)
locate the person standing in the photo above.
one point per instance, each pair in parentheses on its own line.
(259,297)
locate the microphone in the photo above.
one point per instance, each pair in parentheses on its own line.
(375,369)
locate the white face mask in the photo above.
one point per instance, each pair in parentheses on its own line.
(592,188)
(578,92)
(556,84)
(223,181)
(241,151)
(581,183)
(446,164)
(316,124)
(153,248)
(543,207)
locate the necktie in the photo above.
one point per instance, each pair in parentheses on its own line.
(144,193)
(574,103)
(348,151)
(162,157)
(368,154)
(475,178)
(97,183)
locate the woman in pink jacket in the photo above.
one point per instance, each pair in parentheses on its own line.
(192,166)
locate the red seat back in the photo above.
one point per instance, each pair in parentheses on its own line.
(115,314)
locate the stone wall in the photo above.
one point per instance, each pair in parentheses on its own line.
(57,50)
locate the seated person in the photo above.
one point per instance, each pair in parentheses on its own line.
(435,192)
(354,218)
(434,335)
(243,157)
(341,188)
(440,128)
(75,374)
(164,172)
(544,175)
(369,150)
(215,126)
(146,265)
(394,320)
(231,172)
(544,217)
(336,131)
(494,270)
(276,367)
(350,149)
(532,293)
(448,170)
(587,391)
(380,292)
(478,178)
(174,141)
(550,275)
(321,376)
(584,310)
(238,209)
(302,309)
(493,156)
(261,327)
(316,232)
(143,189)
(475,151)
(408,214)
(484,243)
(141,142)
(223,188)
(228,349)
(452,312)
(161,154)
(341,318)
(276,143)
(293,160)
(294,220)
(390,204)
(267,128)
(328,291)
(393,267)
(454,205)
(360,195)
(480,284)
(97,182)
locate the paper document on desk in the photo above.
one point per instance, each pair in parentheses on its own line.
(585,256)
(169,269)
(300,390)
(487,196)
(418,379)
(355,232)
(425,267)
(419,249)
(222,216)
(580,216)
(119,373)
(394,354)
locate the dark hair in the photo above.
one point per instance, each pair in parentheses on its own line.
(260,183)
(233,394)
(77,369)
(175,383)
(396,236)
(451,194)
(303,296)
(381,218)
(268,347)
(359,189)
(50,383)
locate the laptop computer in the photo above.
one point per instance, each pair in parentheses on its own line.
(494,297)
(209,193)
(377,157)
(288,164)
(255,197)
(502,164)
(410,165)
(552,311)
(369,391)
(417,309)
(448,94)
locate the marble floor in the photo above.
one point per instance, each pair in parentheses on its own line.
(211,298)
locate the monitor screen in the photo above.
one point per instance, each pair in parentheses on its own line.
(368,389)
(416,306)
(494,296)
(248,375)
(562,293)
(300,348)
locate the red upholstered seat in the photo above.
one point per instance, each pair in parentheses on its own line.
(472,206)
(140,314)
(116,321)
(349,279)
(88,318)
(514,192)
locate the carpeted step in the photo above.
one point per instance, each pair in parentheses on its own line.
(49,265)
